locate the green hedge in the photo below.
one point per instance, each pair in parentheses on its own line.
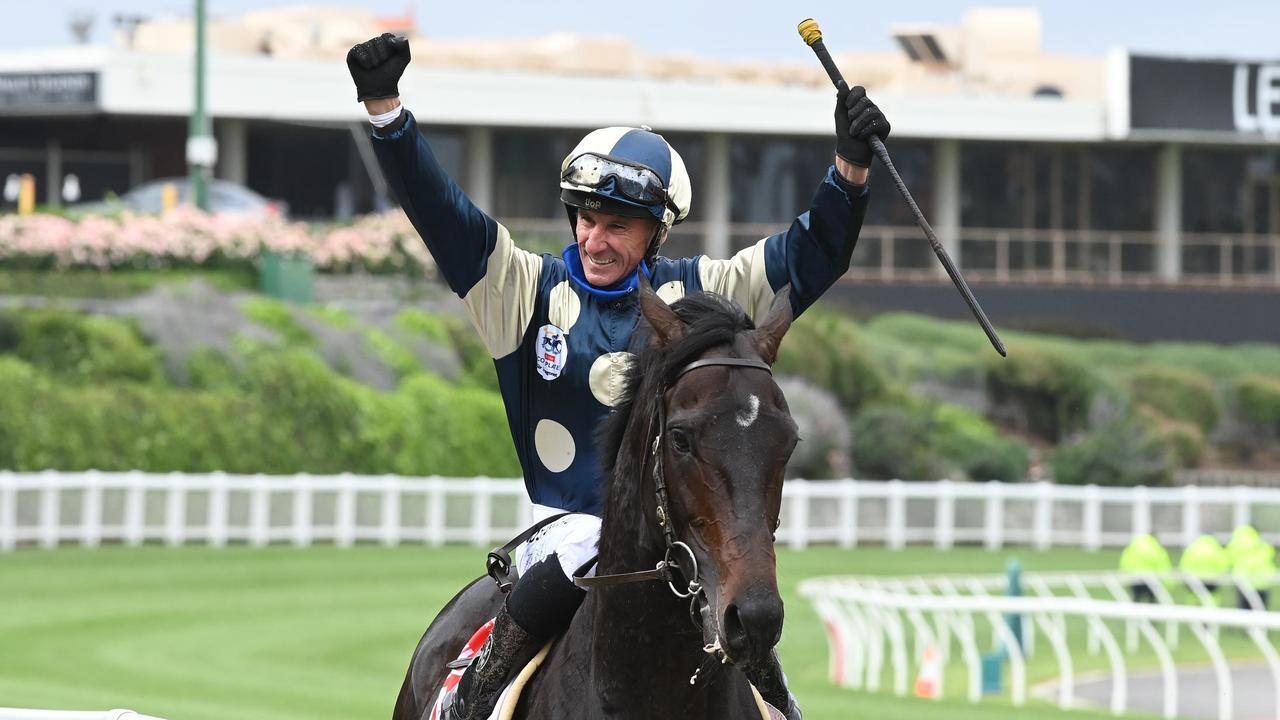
(1185,395)
(1184,442)
(1050,392)
(829,351)
(920,441)
(1119,453)
(285,413)
(1259,399)
(80,348)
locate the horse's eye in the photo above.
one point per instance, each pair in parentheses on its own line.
(680,441)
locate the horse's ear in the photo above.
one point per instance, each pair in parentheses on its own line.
(768,335)
(667,326)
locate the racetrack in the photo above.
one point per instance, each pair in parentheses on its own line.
(325,633)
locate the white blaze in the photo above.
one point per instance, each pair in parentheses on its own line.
(748,415)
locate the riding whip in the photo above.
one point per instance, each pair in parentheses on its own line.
(813,38)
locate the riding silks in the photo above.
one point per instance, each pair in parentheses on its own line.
(562,347)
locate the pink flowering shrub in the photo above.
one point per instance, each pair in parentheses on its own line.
(186,238)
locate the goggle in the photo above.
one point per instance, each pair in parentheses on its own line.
(635,182)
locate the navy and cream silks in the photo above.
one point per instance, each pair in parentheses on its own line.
(560,347)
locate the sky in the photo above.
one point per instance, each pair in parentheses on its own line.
(736,29)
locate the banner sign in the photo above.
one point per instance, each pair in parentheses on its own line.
(40,90)
(1204,95)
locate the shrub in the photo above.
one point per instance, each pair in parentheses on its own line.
(1258,397)
(1185,395)
(828,351)
(86,348)
(306,412)
(417,322)
(1184,442)
(1048,395)
(1120,453)
(208,368)
(275,315)
(970,443)
(395,355)
(892,441)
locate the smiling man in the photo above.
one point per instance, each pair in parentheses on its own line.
(560,328)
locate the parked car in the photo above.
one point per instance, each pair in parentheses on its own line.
(224,197)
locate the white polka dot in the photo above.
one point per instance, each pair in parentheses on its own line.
(671,292)
(554,445)
(564,306)
(608,373)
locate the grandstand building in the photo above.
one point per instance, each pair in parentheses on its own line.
(1049,178)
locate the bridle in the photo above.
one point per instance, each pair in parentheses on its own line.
(699,606)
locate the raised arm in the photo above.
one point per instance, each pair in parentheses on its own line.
(815,251)
(496,280)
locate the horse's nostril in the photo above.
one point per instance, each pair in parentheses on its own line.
(735,633)
(752,627)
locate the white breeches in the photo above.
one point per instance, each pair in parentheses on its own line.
(572,538)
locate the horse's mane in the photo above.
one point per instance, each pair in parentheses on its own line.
(711,320)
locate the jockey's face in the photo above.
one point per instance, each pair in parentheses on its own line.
(611,246)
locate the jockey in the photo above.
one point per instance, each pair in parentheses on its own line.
(560,327)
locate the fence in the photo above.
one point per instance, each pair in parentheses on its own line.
(51,508)
(870,619)
(21,714)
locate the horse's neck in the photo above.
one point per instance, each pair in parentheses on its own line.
(645,649)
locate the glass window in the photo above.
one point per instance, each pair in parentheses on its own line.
(1122,188)
(914,162)
(1212,192)
(772,180)
(449,147)
(526,181)
(995,186)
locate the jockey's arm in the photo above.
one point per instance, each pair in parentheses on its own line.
(497,282)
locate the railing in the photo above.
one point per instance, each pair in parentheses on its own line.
(89,508)
(21,714)
(894,253)
(871,619)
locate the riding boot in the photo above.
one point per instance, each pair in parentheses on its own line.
(478,690)
(771,682)
(540,607)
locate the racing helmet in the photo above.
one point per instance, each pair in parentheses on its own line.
(626,171)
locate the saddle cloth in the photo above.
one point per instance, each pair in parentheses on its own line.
(510,695)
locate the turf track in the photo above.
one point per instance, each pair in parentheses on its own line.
(324,633)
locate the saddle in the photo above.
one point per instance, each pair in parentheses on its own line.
(509,698)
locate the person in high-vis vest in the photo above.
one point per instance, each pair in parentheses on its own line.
(1207,560)
(1254,566)
(1143,559)
(1243,540)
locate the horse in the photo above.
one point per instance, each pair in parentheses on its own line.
(695,453)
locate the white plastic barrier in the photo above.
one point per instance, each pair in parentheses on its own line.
(864,617)
(21,714)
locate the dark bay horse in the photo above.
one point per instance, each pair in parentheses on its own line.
(695,453)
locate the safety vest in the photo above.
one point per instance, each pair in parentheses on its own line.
(1205,558)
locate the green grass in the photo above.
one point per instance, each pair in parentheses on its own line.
(93,284)
(284,633)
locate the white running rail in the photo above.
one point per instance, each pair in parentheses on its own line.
(88,508)
(871,618)
(21,714)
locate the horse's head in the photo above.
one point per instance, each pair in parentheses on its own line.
(725,435)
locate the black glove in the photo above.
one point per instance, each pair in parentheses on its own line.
(376,66)
(857,120)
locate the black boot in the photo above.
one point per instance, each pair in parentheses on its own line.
(540,607)
(768,679)
(508,645)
